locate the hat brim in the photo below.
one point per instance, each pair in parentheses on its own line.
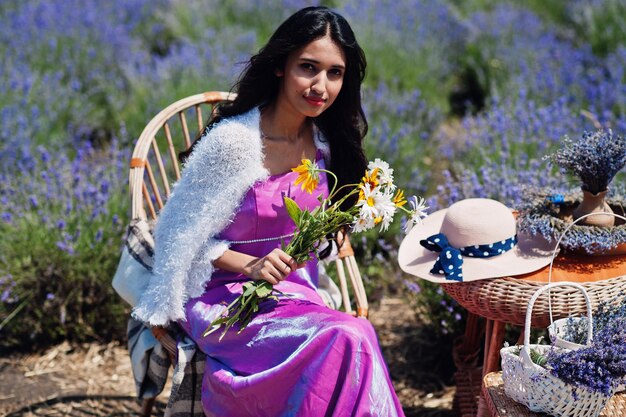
(529,255)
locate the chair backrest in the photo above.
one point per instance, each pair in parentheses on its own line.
(154,166)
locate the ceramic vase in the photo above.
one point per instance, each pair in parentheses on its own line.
(594,203)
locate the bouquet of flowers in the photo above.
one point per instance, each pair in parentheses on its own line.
(595,159)
(378,202)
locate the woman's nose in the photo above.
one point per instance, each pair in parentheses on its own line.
(319,84)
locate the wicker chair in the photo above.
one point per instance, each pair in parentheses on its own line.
(154,167)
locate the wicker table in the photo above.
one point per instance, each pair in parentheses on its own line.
(500,405)
(502,301)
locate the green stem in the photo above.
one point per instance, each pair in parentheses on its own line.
(333,191)
(233,319)
(334,176)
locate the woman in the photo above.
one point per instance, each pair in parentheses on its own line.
(299,97)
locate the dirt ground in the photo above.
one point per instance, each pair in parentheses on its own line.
(96,380)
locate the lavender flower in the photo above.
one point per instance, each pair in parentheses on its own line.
(412,286)
(594,159)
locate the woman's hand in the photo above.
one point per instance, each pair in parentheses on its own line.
(273,267)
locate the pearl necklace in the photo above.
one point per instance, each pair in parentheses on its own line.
(264,239)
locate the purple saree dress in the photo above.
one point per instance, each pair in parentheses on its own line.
(297,357)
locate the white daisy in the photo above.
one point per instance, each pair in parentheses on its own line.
(367,204)
(386,209)
(376,205)
(385,173)
(362,224)
(418,212)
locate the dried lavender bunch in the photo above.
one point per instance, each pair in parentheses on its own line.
(602,365)
(595,158)
(609,314)
(587,367)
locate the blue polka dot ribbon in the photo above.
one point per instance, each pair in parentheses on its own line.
(450,260)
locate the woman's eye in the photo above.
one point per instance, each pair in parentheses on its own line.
(336,72)
(307,66)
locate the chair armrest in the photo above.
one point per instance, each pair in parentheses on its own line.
(167,341)
(347,261)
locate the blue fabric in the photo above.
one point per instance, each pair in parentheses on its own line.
(555,199)
(450,260)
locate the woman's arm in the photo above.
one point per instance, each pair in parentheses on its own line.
(226,162)
(273,267)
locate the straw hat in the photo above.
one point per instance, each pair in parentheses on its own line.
(473,239)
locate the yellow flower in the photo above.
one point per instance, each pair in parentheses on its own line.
(308,175)
(371,179)
(399,199)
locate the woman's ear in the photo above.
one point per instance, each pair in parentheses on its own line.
(279,72)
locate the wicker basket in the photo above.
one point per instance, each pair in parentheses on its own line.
(535,387)
(504,299)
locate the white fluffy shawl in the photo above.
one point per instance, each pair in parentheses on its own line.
(223,166)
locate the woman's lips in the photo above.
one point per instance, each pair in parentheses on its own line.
(315,101)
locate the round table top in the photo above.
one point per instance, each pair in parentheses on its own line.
(580,268)
(506,299)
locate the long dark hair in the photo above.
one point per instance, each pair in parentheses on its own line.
(343,124)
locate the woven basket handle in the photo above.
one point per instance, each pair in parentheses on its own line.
(558,244)
(525,353)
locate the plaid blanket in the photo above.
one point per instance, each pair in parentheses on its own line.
(149,360)
(151,364)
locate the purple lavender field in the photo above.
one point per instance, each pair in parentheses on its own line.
(464,100)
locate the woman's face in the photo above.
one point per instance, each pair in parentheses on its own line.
(312,77)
